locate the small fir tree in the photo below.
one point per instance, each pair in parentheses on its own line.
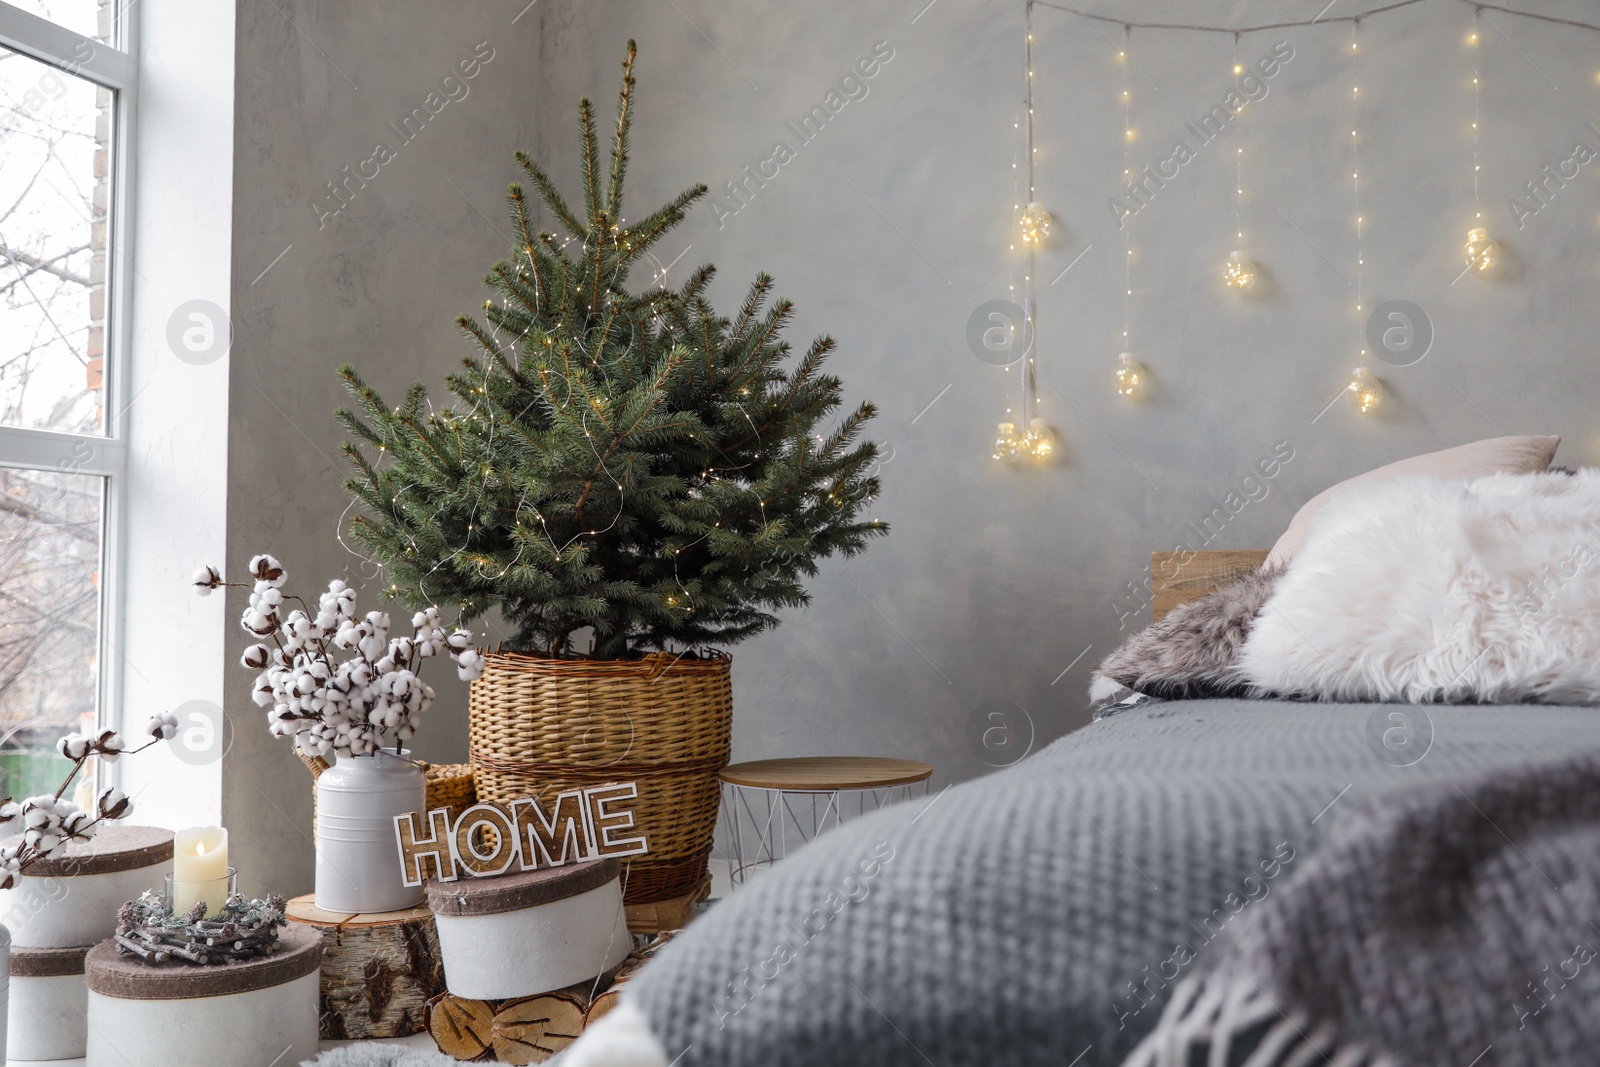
(634,463)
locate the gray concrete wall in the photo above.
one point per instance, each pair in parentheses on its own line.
(894,224)
(376,284)
(888,230)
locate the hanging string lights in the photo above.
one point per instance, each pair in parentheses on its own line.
(1130,376)
(1363,390)
(1036,441)
(1021,435)
(1035,224)
(1238,273)
(1480,251)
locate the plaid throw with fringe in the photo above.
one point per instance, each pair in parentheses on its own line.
(1452,924)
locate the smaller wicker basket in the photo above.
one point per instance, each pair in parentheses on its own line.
(450,785)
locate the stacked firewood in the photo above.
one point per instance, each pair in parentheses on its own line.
(528,1029)
(242,929)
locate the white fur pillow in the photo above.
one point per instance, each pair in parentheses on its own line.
(1496,455)
(1421,589)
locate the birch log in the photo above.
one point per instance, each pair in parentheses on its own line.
(378,971)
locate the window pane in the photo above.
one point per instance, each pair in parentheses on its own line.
(55,185)
(49,620)
(88,17)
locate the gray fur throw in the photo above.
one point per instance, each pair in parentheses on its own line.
(380,1055)
(1436,924)
(1193,651)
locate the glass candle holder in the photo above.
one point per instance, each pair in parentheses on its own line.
(183,894)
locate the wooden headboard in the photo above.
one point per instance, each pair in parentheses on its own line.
(1179,577)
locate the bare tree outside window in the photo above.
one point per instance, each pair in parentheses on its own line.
(55,195)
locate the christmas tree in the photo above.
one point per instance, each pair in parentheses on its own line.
(628,462)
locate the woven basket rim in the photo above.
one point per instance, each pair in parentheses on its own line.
(713,661)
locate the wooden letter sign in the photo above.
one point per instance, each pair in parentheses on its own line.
(490,839)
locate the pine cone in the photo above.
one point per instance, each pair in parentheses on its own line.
(197,912)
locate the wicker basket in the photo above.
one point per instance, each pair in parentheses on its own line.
(541,726)
(449,785)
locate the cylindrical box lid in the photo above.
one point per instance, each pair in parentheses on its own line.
(521,889)
(127,977)
(48,962)
(114,848)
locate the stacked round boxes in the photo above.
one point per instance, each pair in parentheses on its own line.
(518,935)
(247,1013)
(58,910)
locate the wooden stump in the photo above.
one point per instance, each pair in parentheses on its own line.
(521,1031)
(528,1029)
(378,971)
(607,999)
(533,1029)
(460,1027)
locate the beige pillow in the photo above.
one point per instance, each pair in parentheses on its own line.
(1513,455)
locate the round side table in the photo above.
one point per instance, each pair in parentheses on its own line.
(766,803)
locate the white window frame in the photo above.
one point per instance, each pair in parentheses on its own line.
(111,66)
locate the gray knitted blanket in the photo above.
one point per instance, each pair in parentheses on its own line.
(1436,925)
(1047,914)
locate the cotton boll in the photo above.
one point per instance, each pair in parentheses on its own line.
(205,580)
(256,657)
(80,824)
(264,568)
(42,842)
(73,747)
(461,639)
(114,804)
(10,820)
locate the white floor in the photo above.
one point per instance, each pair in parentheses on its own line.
(414,1041)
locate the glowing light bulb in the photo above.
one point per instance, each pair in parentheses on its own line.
(1035,224)
(1130,376)
(1239,273)
(1364,391)
(1480,251)
(1038,442)
(1006,441)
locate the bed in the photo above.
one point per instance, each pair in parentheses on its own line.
(1027,918)
(1050,913)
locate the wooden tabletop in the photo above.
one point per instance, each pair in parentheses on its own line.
(303,909)
(823,774)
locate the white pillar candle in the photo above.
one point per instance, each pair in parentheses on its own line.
(200,869)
